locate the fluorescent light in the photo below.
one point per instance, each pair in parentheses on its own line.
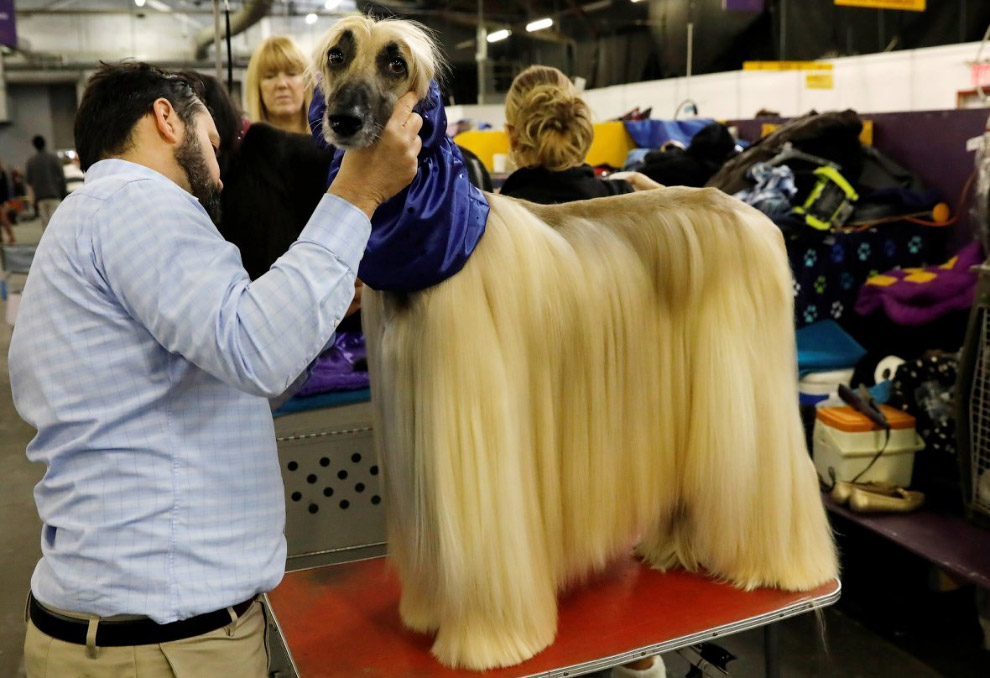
(331,5)
(539,24)
(159,5)
(495,36)
(311,18)
(139,3)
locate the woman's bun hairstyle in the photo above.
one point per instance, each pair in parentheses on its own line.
(552,125)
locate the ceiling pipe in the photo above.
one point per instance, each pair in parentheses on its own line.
(252,12)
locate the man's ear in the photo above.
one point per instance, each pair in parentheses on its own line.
(167,121)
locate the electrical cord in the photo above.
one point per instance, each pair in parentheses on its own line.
(865,405)
(875,456)
(924,222)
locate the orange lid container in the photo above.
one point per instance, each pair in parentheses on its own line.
(847,419)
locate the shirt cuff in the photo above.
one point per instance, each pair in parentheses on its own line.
(341,228)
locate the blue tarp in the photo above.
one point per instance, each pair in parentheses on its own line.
(655,133)
(824,346)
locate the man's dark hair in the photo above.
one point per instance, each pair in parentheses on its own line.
(117,96)
(226,115)
(38,142)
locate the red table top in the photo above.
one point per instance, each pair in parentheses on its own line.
(342,621)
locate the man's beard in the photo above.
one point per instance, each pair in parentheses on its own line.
(190,158)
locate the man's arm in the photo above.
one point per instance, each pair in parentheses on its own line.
(163,259)
(171,270)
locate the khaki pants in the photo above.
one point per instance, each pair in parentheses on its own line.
(237,649)
(46,207)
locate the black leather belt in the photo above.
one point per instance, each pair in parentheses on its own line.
(113,633)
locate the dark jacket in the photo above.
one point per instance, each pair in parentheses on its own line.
(540,185)
(696,164)
(45,176)
(833,135)
(272,184)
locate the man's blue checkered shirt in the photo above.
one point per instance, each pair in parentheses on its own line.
(143,356)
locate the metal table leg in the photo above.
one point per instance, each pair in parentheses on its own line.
(771,650)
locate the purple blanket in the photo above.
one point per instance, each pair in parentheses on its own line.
(342,367)
(915,296)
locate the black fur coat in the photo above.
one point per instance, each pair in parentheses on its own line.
(272,183)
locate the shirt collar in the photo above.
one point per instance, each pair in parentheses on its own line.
(115,166)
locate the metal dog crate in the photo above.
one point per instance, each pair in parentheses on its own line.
(333,500)
(973,400)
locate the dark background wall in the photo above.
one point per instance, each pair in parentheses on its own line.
(620,41)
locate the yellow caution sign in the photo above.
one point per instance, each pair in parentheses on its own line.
(906,5)
(818,81)
(786,66)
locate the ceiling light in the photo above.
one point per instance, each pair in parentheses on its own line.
(311,18)
(139,3)
(539,24)
(332,5)
(495,36)
(159,5)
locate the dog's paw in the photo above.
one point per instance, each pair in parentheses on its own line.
(421,618)
(489,646)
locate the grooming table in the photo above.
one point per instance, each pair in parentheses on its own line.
(342,621)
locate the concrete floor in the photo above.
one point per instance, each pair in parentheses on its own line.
(843,647)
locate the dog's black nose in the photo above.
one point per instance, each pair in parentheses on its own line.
(344,125)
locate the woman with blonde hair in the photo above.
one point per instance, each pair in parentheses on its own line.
(277,90)
(550,131)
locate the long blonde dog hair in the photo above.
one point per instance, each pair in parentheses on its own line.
(599,373)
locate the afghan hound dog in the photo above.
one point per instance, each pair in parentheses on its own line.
(598,375)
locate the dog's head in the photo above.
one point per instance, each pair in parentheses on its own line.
(364,65)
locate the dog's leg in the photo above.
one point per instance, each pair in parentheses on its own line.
(389,330)
(753,508)
(465,526)
(497,598)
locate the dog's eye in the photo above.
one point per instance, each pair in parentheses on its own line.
(335,57)
(397,66)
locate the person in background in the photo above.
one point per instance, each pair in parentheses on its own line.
(47,181)
(17,185)
(550,132)
(278,93)
(144,355)
(277,90)
(4,209)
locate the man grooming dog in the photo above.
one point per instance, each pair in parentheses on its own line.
(554,383)
(143,356)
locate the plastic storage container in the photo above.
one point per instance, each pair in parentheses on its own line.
(817,386)
(845,442)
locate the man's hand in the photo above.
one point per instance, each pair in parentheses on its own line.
(370,176)
(356,301)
